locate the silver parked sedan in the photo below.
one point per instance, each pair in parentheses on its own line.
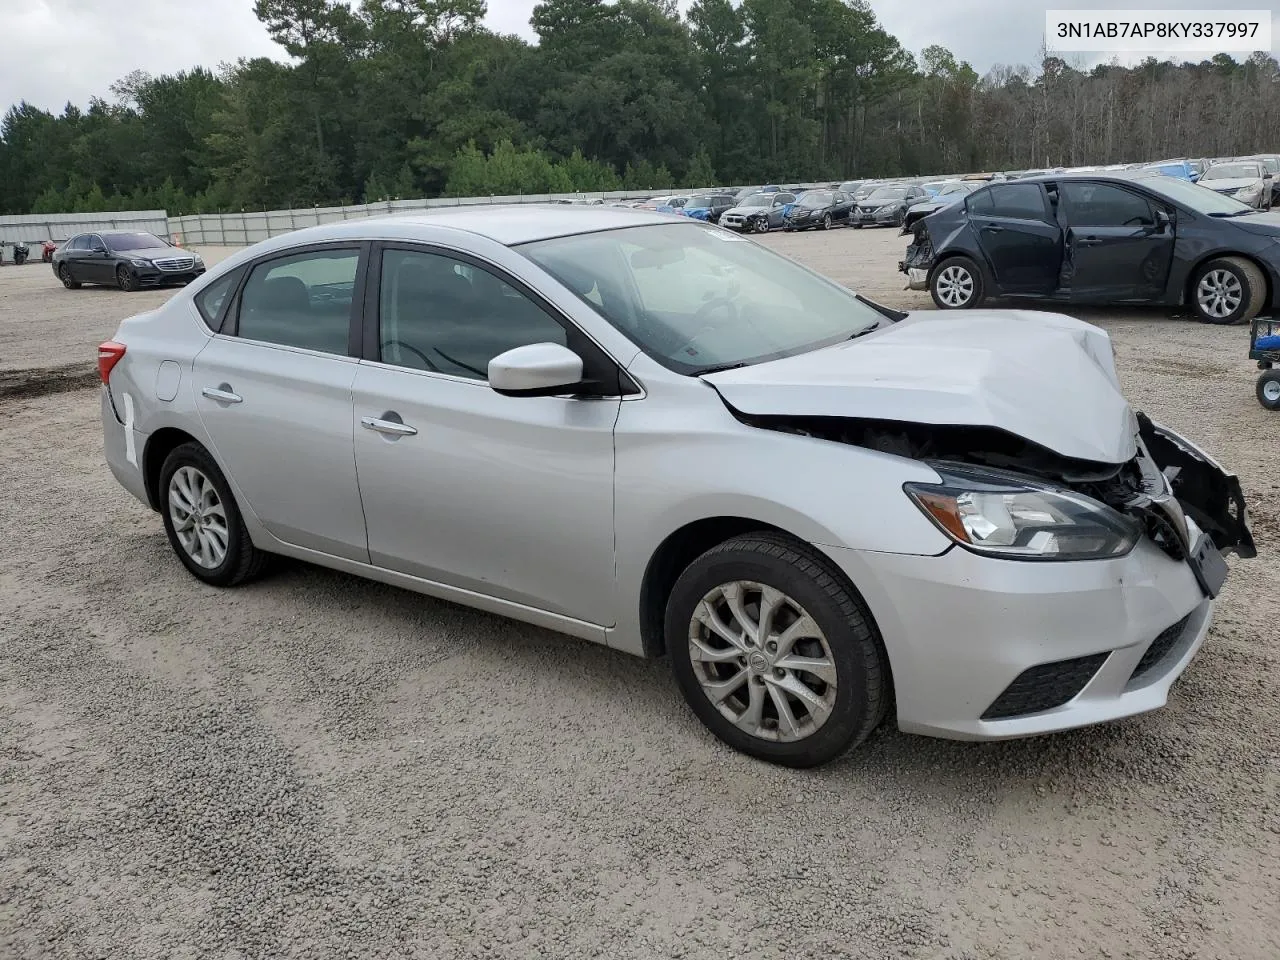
(652,433)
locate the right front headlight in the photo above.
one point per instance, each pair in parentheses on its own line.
(1023,520)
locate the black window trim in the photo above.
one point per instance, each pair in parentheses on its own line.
(1046,211)
(230,323)
(214,324)
(597,363)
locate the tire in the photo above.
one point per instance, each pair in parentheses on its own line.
(826,221)
(126,279)
(1228,290)
(850,709)
(951,279)
(64,274)
(857,226)
(1268,389)
(240,560)
(762,225)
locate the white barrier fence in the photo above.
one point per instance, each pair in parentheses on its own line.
(35,228)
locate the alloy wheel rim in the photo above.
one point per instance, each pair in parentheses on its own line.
(1219,293)
(955,286)
(199,519)
(762,661)
(1271,391)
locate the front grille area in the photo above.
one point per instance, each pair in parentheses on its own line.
(1165,641)
(1044,686)
(176,263)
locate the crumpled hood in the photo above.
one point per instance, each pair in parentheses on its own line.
(747,211)
(1043,377)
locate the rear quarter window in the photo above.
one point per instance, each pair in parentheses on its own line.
(212,299)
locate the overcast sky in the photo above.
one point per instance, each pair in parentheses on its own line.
(54,51)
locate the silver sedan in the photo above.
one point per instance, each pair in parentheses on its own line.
(652,433)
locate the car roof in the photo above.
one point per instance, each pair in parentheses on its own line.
(517,223)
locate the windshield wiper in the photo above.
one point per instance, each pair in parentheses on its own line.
(720,368)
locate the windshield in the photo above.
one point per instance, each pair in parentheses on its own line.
(1233,171)
(849,186)
(696,298)
(889,193)
(758,200)
(951,188)
(1197,198)
(133,241)
(814,200)
(701,201)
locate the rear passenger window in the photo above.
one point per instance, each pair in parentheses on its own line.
(1020,201)
(1104,205)
(209,301)
(442,315)
(301,301)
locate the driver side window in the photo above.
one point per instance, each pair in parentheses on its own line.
(446,316)
(1104,205)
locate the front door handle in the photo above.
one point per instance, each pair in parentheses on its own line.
(393,428)
(222,393)
(1088,242)
(993,228)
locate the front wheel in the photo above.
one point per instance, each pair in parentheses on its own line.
(826,221)
(1269,389)
(64,274)
(126,279)
(956,284)
(762,225)
(1228,290)
(774,653)
(202,520)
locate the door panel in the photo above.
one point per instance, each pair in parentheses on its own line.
(287,442)
(511,497)
(1025,255)
(1117,246)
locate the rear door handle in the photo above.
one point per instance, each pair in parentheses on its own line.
(389,427)
(993,228)
(222,394)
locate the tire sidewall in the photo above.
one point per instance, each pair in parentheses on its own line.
(194,455)
(1270,376)
(64,274)
(851,706)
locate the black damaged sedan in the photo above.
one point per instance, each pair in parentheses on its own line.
(1100,239)
(129,261)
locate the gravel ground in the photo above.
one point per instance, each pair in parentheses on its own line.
(317,766)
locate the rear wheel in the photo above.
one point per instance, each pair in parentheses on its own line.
(64,274)
(202,520)
(956,284)
(1228,290)
(774,653)
(1269,389)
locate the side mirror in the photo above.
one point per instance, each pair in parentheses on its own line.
(1163,219)
(536,370)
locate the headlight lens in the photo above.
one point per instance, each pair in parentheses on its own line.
(139,262)
(1248,192)
(1022,519)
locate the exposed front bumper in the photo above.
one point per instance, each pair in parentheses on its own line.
(960,628)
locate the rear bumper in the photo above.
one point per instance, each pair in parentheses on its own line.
(123,444)
(960,629)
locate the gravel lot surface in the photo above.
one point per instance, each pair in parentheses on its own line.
(316,766)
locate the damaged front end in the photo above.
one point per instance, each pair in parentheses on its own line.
(1169,479)
(919,257)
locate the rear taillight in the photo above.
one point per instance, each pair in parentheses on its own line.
(109,355)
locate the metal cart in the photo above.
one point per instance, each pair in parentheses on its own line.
(1264,346)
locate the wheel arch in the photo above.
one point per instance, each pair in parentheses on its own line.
(1188,282)
(159,445)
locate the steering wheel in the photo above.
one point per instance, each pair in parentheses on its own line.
(414,350)
(715,303)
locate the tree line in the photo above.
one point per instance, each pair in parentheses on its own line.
(413,98)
